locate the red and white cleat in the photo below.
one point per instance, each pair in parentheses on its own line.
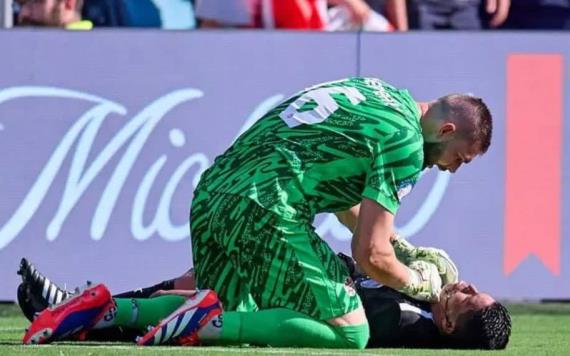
(182,326)
(70,317)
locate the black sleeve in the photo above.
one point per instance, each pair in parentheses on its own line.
(392,325)
(418,332)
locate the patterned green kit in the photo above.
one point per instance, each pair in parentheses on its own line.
(322,150)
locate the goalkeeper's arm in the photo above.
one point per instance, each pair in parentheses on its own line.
(373,251)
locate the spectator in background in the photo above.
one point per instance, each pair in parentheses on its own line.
(170,14)
(539,14)
(281,14)
(456,14)
(53,13)
(86,14)
(292,14)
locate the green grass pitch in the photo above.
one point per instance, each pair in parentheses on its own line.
(537,330)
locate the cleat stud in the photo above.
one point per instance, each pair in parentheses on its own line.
(89,283)
(137,339)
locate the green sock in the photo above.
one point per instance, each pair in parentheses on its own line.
(288,328)
(138,313)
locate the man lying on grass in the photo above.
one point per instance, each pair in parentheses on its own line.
(462,318)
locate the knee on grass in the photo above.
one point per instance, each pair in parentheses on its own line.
(355,336)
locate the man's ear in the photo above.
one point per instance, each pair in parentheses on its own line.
(446,131)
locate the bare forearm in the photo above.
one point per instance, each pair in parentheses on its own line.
(383,267)
(371,247)
(396,12)
(499,9)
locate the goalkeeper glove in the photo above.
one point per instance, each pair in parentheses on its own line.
(424,283)
(407,253)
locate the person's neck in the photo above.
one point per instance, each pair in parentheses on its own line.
(436,314)
(429,127)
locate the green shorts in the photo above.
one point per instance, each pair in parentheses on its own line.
(255,259)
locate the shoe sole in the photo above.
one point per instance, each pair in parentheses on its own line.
(70,323)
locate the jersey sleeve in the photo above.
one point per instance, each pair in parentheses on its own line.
(396,164)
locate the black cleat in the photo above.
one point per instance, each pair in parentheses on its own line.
(32,300)
(37,292)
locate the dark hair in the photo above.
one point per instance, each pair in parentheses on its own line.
(462,107)
(488,328)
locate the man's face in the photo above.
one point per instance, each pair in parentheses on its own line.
(41,13)
(455,300)
(449,155)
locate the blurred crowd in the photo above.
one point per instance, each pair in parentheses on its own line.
(318,15)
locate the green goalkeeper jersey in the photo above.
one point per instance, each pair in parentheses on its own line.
(324,149)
